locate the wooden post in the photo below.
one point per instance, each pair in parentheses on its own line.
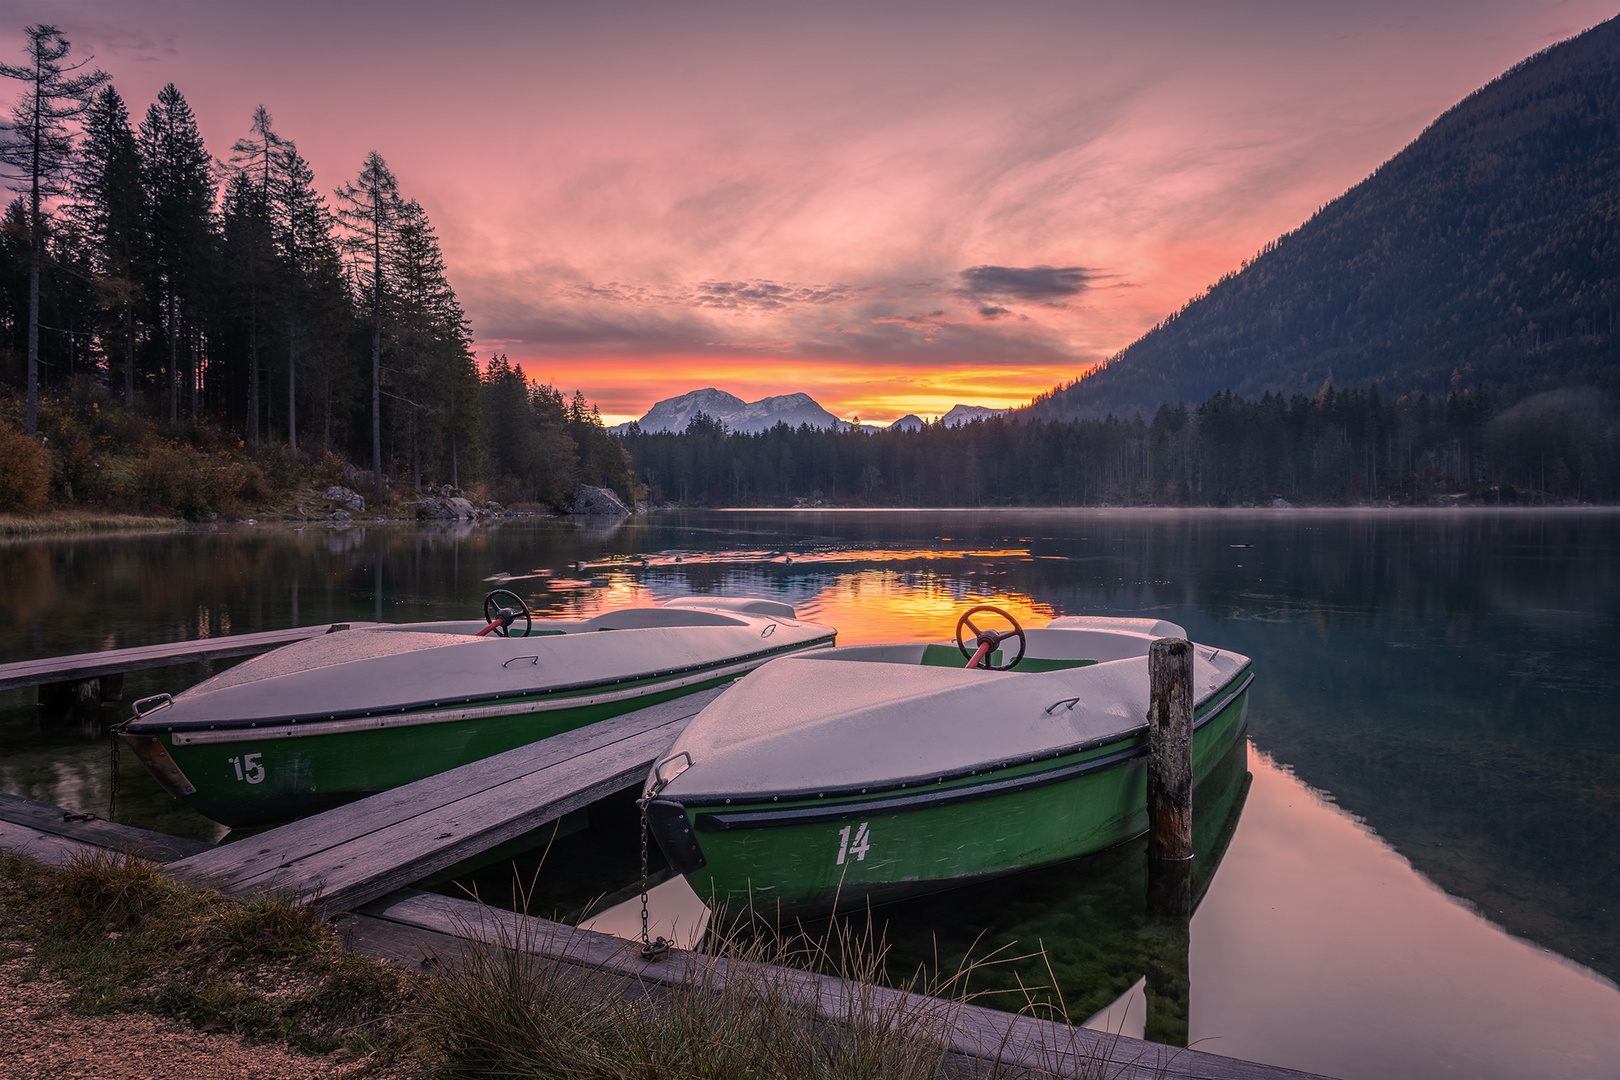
(86,700)
(1170,840)
(1170,731)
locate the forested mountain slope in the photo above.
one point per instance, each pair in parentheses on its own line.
(1484,256)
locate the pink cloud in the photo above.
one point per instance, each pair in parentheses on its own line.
(795,193)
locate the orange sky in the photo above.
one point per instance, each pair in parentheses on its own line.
(892,206)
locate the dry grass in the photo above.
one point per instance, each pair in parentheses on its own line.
(55,522)
(127,938)
(737,1011)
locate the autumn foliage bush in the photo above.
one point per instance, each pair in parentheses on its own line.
(175,476)
(25,471)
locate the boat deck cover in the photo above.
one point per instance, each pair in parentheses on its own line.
(809,722)
(343,647)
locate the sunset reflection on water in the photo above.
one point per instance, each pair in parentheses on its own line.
(874,606)
(902,598)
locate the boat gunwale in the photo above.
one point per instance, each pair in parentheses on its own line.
(1213,705)
(149,725)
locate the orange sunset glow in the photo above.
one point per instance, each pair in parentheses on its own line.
(894,207)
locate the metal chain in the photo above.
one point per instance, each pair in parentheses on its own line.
(655,949)
(112,796)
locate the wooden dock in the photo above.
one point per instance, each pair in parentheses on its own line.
(347,856)
(52,835)
(82,667)
(426,932)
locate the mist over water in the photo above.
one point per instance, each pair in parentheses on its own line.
(1418,875)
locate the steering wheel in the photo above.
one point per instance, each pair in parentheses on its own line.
(989,639)
(500,619)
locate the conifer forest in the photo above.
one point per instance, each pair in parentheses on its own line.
(1338,448)
(203,305)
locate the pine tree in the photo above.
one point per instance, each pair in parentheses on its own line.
(253,160)
(243,291)
(315,293)
(430,334)
(109,209)
(36,152)
(370,209)
(180,199)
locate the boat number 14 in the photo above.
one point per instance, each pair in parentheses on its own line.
(249,769)
(863,841)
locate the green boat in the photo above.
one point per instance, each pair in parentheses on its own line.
(867,773)
(357,711)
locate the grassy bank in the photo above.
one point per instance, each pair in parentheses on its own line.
(58,522)
(97,465)
(125,938)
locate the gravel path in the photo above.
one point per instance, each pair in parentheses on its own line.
(41,1040)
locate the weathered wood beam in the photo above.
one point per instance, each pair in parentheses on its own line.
(39,818)
(985,1040)
(368,848)
(83,666)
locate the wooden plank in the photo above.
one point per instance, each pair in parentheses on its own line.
(345,824)
(53,669)
(380,862)
(44,818)
(982,1035)
(352,821)
(355,853)
(48,848)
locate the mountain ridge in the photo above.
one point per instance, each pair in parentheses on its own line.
(1485,255)
(751,417)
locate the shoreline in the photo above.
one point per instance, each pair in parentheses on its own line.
(49,525)
(74,522)
(1269,511)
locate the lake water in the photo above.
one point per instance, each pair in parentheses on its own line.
(1411,871)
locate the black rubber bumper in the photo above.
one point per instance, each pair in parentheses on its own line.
(666,820)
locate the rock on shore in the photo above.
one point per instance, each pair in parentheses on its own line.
(598,502)
(345,498)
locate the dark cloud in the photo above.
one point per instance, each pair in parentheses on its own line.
(1046,283)
(563,334)
(760,295)
(825,322)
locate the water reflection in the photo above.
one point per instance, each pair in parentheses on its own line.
(1319,946)
(1449,678)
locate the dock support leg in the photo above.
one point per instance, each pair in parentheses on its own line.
(87,700)
(78,701)
(55,701)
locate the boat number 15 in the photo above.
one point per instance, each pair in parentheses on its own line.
(249,769)
(863,841)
